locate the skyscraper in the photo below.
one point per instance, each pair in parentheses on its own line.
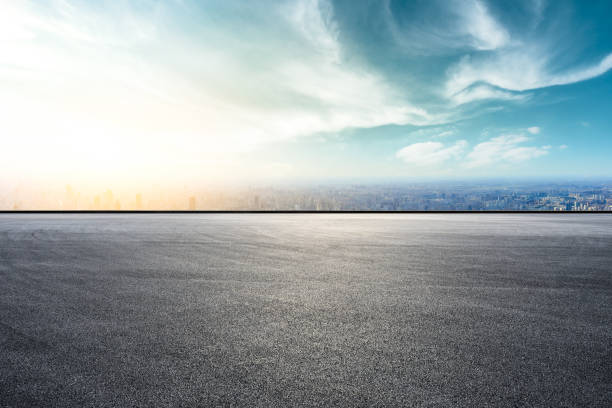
(108,200)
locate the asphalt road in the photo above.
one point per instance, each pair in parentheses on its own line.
(305,310)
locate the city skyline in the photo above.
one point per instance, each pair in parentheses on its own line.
(166,93)
(486,195)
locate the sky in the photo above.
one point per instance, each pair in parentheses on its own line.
(148,92)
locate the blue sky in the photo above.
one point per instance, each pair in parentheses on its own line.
(201,91)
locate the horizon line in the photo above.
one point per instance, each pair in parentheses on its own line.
(301,212)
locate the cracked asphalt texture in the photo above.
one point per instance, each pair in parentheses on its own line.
(277,310)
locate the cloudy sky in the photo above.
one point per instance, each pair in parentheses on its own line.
(150,91)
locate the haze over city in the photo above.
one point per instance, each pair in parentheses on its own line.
(471,195)
(154,95)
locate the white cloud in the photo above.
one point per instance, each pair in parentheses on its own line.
(497,150)
(534,130)
(486,32)
(516,69)
(517,65)
(506,148)
(563,147)
(435,132)
(463,24)
(496,63)
(446,133)
(314,19)
(581,74)
(430,153)
(483,91)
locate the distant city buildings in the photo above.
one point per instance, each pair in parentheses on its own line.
(356,197)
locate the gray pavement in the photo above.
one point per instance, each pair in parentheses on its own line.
(305,310)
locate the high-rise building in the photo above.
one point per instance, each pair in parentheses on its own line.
(192,203)
(108,201)
(69,202)
(138,201)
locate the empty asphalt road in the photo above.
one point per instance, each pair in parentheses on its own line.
(143,310)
